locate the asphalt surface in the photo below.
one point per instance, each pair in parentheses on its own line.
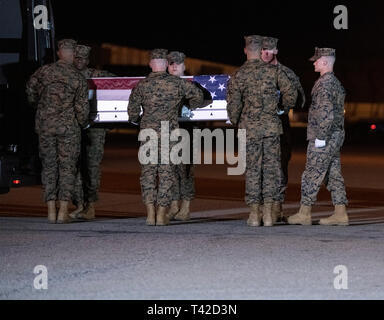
(213,256)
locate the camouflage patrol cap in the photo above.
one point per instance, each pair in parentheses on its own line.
(176,57)
(270,43)
(82,51)
(67,44)
(159,54)
(253,40)
(321,52)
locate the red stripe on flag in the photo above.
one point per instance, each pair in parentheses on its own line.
(113,83)
(117,83)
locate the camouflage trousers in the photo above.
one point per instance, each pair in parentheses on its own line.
(156,184)
(88,170)
(157,180)
(323,165)
(59,154)
(286,153)
(184,188)
(262,175)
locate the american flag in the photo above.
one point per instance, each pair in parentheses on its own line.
(111,96)
(216,85)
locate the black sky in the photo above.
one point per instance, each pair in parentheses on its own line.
(214,31)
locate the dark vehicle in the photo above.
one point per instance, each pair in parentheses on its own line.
(26,43)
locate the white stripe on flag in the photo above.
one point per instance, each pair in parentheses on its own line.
(113,94)
(112,106)
(216,105)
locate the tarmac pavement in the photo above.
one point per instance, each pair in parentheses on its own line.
(213,256)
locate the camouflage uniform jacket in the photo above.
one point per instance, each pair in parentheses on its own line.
(300,102)
(253,98)
(326,114)
(160,95)
(60,93)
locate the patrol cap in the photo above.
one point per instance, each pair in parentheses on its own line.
(176,57)
(159,54)
(270,43)
(82,51)
(253,41)
(67,44)
(322,52)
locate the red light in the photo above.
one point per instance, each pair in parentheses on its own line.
(16,181)
(373,127)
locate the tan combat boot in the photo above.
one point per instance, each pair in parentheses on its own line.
(161,217)
(151,215)
(277,211)
(339,218)
(267,214)
(173,210)
(303,217)
(254,219)
(51,211)
(183,214)
(88,213)
(79,208)
(63,216)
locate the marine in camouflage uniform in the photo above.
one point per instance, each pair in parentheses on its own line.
(269,55)
(325,135)
(60,94)
(92,149)
(253,105)
(184,188)
(160,95)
